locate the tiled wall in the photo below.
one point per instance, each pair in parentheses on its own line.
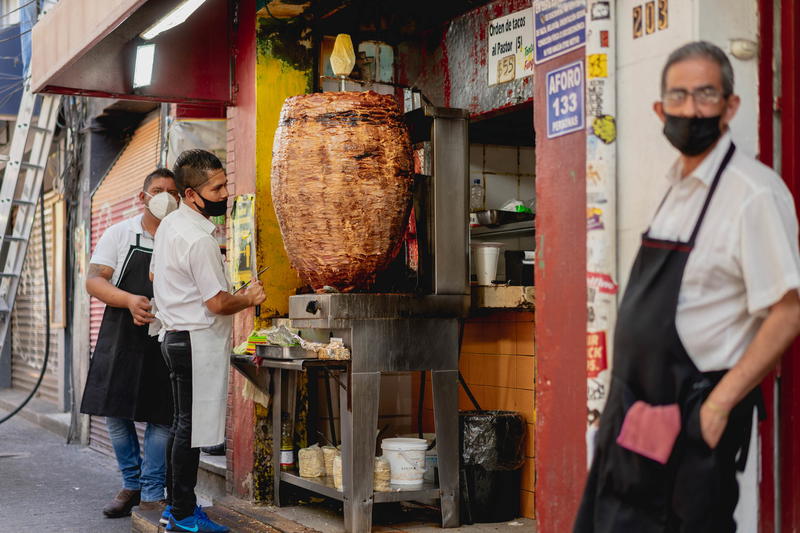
(507,172)
(497,362)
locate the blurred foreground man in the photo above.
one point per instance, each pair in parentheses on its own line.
(710,307)
(128,380)
(195,306)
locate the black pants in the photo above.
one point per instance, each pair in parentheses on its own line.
(182,459)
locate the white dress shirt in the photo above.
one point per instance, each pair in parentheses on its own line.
(745,258)
(113,246)
(188,270)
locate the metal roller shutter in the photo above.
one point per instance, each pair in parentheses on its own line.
(113,201)
(28,319)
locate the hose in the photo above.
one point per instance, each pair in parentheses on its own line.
(46,318)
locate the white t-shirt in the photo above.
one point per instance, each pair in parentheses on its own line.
(188,270)
(114,245)
(745,258)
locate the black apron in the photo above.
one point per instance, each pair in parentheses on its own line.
(127,374)
(696,491)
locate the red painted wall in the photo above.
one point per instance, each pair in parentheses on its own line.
(241,169)
(790,171)
(560,315)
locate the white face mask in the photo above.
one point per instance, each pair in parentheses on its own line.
(161,204)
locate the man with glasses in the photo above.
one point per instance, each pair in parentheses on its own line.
(128,380)
(710,306)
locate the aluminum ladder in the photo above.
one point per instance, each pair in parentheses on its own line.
(19,192)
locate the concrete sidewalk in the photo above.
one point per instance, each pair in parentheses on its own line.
(48,485)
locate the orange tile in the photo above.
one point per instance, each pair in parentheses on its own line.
(520,401)
(529,475)
(479,338)
(464,404)
(524,372)
(525,338)
(492,370)
(489,338)
(530,441)
(507,339)
(465,366)
(527,506)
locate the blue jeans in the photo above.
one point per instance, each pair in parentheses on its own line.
(140,473)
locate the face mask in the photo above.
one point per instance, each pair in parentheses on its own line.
(692,135)
(161,204)
(212,209)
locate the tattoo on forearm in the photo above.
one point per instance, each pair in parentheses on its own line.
(100,270)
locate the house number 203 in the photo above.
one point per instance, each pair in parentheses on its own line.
(649,17)
(567,103)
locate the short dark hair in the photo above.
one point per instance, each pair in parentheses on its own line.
(192,167)
(157,173)
(705,50)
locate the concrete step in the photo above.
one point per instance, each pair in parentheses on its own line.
(211,477)
(147,521)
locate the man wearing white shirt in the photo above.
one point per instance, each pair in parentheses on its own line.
(195,306)
(711,305)
(128,380)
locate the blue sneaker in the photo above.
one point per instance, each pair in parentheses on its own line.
(165,515)
(196,523)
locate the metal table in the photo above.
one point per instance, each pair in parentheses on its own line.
(385,333)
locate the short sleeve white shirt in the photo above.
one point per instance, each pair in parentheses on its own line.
(188,270)
(113,246)
(745,257)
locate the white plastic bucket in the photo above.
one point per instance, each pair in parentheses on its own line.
(406,458)
(431,459)
(484,257)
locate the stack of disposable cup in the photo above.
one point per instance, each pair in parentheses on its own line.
(484,261)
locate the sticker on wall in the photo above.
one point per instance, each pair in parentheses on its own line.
(597,65)
(602,283)
(565,105)
(600,10)
(594,219)
(604,39)
(604,128)
(596,90)
(559,27)
(596,355)
(510,47)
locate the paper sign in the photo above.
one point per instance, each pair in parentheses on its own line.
(510,44)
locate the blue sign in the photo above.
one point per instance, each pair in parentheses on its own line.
(565,107)
(559,27)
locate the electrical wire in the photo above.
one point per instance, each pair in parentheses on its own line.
(20,8)
(46,317)
(17,36)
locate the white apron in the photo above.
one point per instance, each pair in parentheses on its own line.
(211,350)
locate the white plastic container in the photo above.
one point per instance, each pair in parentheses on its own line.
(407,459)
(484,261)
(431,458)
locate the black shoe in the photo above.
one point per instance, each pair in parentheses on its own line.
(219,449)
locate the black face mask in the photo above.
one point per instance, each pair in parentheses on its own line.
(692,135)
(212,209)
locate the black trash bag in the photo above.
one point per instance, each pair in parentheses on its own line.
(493,440)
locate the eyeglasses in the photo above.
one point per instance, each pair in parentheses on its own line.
(701,96)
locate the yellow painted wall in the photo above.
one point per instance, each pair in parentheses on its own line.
(276,80)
